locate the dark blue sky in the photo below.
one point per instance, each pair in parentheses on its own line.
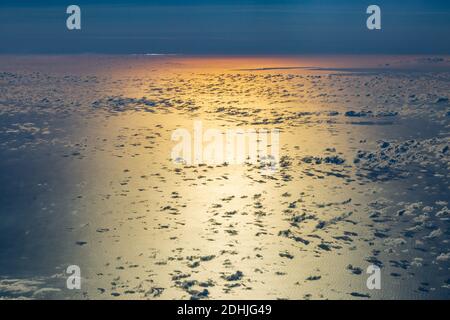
(225,27)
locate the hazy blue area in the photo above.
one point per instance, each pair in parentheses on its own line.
(225,27)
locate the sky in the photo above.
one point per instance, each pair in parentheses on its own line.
(225,27)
